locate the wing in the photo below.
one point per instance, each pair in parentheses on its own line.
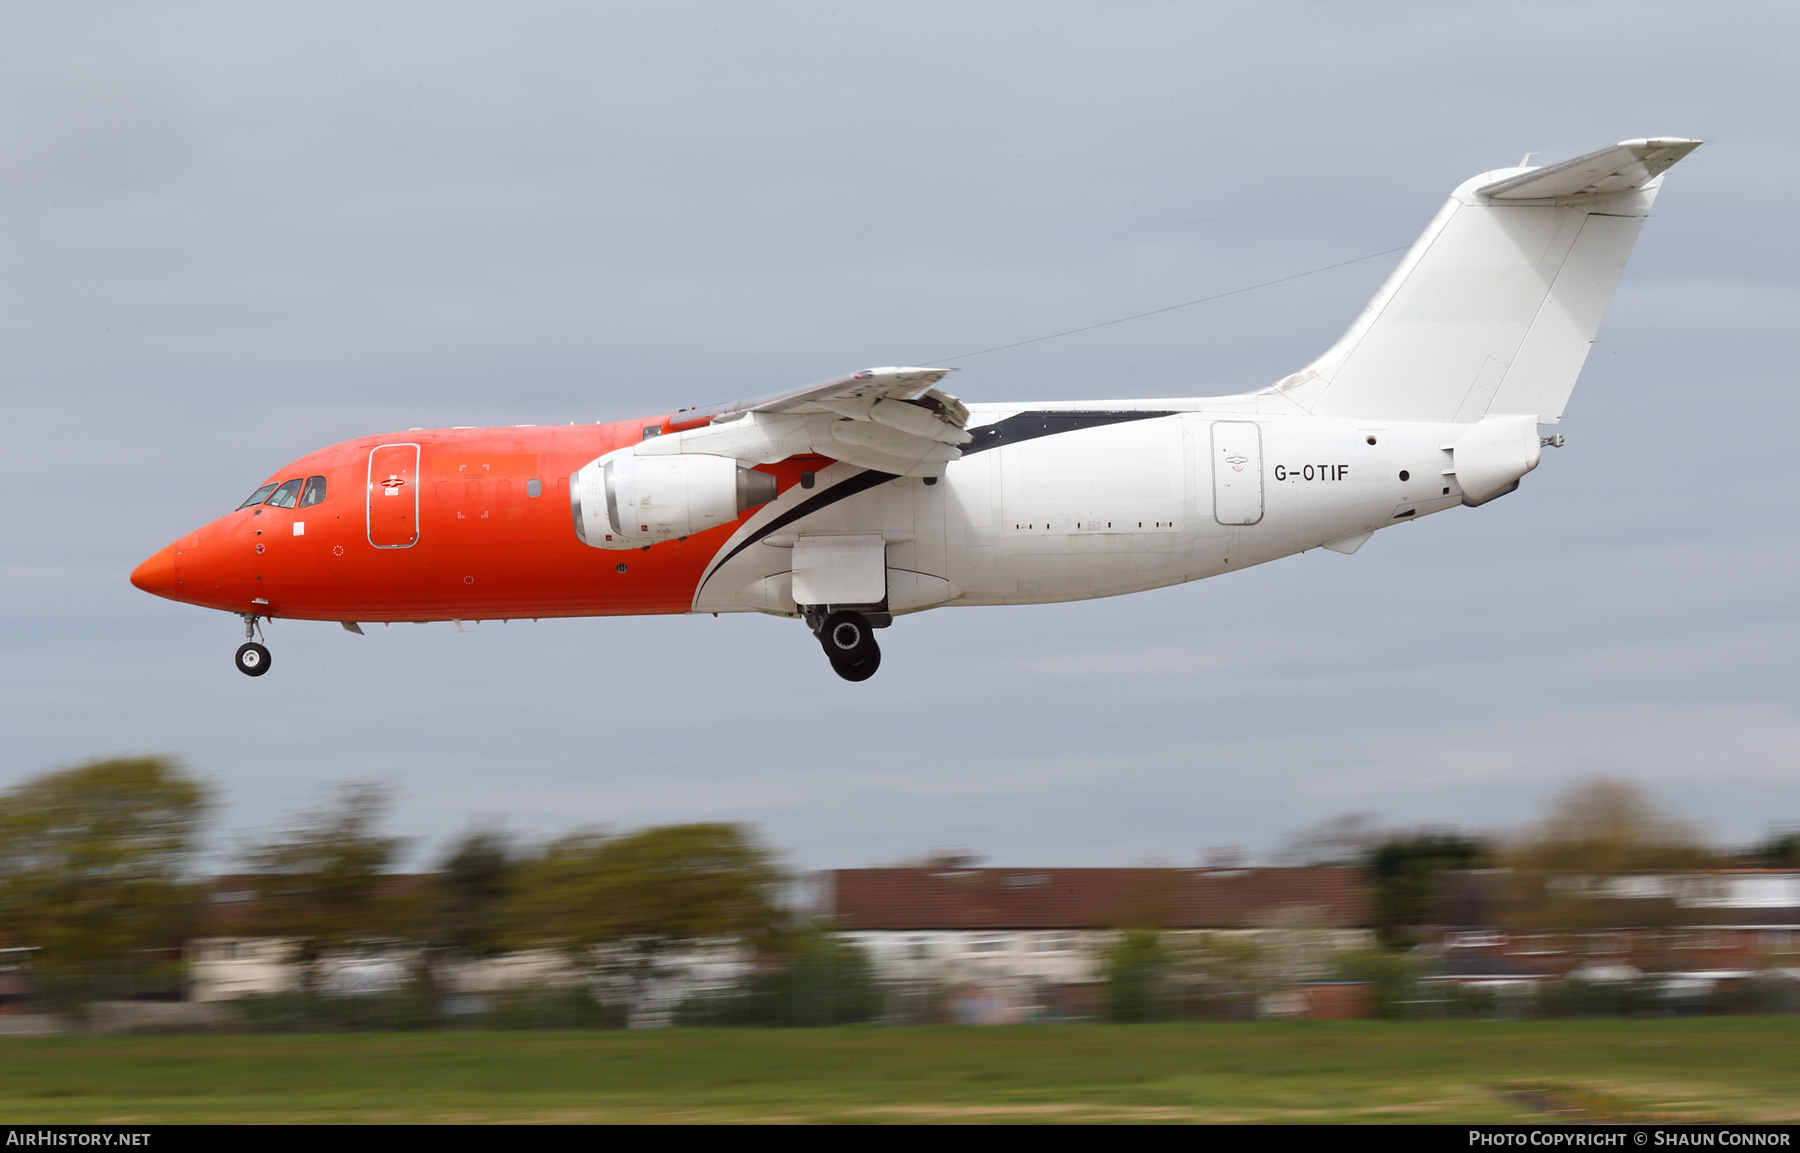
(889,419)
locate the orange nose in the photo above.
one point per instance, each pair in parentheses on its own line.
(157,575)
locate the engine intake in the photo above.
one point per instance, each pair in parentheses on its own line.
(625,501)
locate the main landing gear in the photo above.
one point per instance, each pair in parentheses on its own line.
(252,659)
(849,642)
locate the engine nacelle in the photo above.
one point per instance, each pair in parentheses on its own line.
(625,501)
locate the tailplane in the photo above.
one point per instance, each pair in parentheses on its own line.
(1494,307)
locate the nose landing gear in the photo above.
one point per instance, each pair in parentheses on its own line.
(849,643)
(252,659)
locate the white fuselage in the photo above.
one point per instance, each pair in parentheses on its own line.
(1139,500)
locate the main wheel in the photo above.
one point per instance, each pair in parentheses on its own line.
(252,659)
(858,670)
(847,637)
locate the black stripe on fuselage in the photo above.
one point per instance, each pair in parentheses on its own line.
(1011,430)
(842,490)
(1031,425)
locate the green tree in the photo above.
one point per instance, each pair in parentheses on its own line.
(619,906)
(805,976)
(474,884)
(1389,975)
(1780,851)
(93,865)
(328,884)
(1137,977)
(1604,857)
(1407,873)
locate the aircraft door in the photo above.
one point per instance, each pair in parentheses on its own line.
(1237,472)
(393,497)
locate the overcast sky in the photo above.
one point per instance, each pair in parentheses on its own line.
(237,233)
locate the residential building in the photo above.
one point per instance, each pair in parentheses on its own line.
(1014,944)
(1691,934)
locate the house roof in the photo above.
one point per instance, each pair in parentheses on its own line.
(961,898)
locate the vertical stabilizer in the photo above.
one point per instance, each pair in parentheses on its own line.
(1494,307)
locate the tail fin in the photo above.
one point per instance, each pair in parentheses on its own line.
(1494,307)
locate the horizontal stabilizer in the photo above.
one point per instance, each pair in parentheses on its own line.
(1625,167)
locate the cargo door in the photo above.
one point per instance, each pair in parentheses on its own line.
(1237,472)
(394,496)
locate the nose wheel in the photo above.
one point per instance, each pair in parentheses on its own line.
(252,659)
(849,643)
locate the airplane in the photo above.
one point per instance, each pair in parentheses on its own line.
(864,498)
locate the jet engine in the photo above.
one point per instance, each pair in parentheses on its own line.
(625,501)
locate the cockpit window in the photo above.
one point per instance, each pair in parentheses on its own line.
(258,496)
(286,495)
(315,491)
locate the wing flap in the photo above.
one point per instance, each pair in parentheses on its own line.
(871,384)
(887,419)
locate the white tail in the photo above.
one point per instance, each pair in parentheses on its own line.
(1494,307)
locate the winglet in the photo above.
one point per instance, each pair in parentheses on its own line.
(1625,167)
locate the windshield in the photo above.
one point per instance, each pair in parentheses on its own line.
(315,491)
(286,495)
(258,496)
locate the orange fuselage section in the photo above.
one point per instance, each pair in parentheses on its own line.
(440,524)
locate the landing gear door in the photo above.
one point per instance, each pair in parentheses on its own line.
(1237,472)
(394,496)
(840,570)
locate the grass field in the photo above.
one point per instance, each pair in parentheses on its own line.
(1722,1069)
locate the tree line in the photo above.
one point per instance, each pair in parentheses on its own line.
(1604,859)
(97,879)
(1559,874)
(99,885)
